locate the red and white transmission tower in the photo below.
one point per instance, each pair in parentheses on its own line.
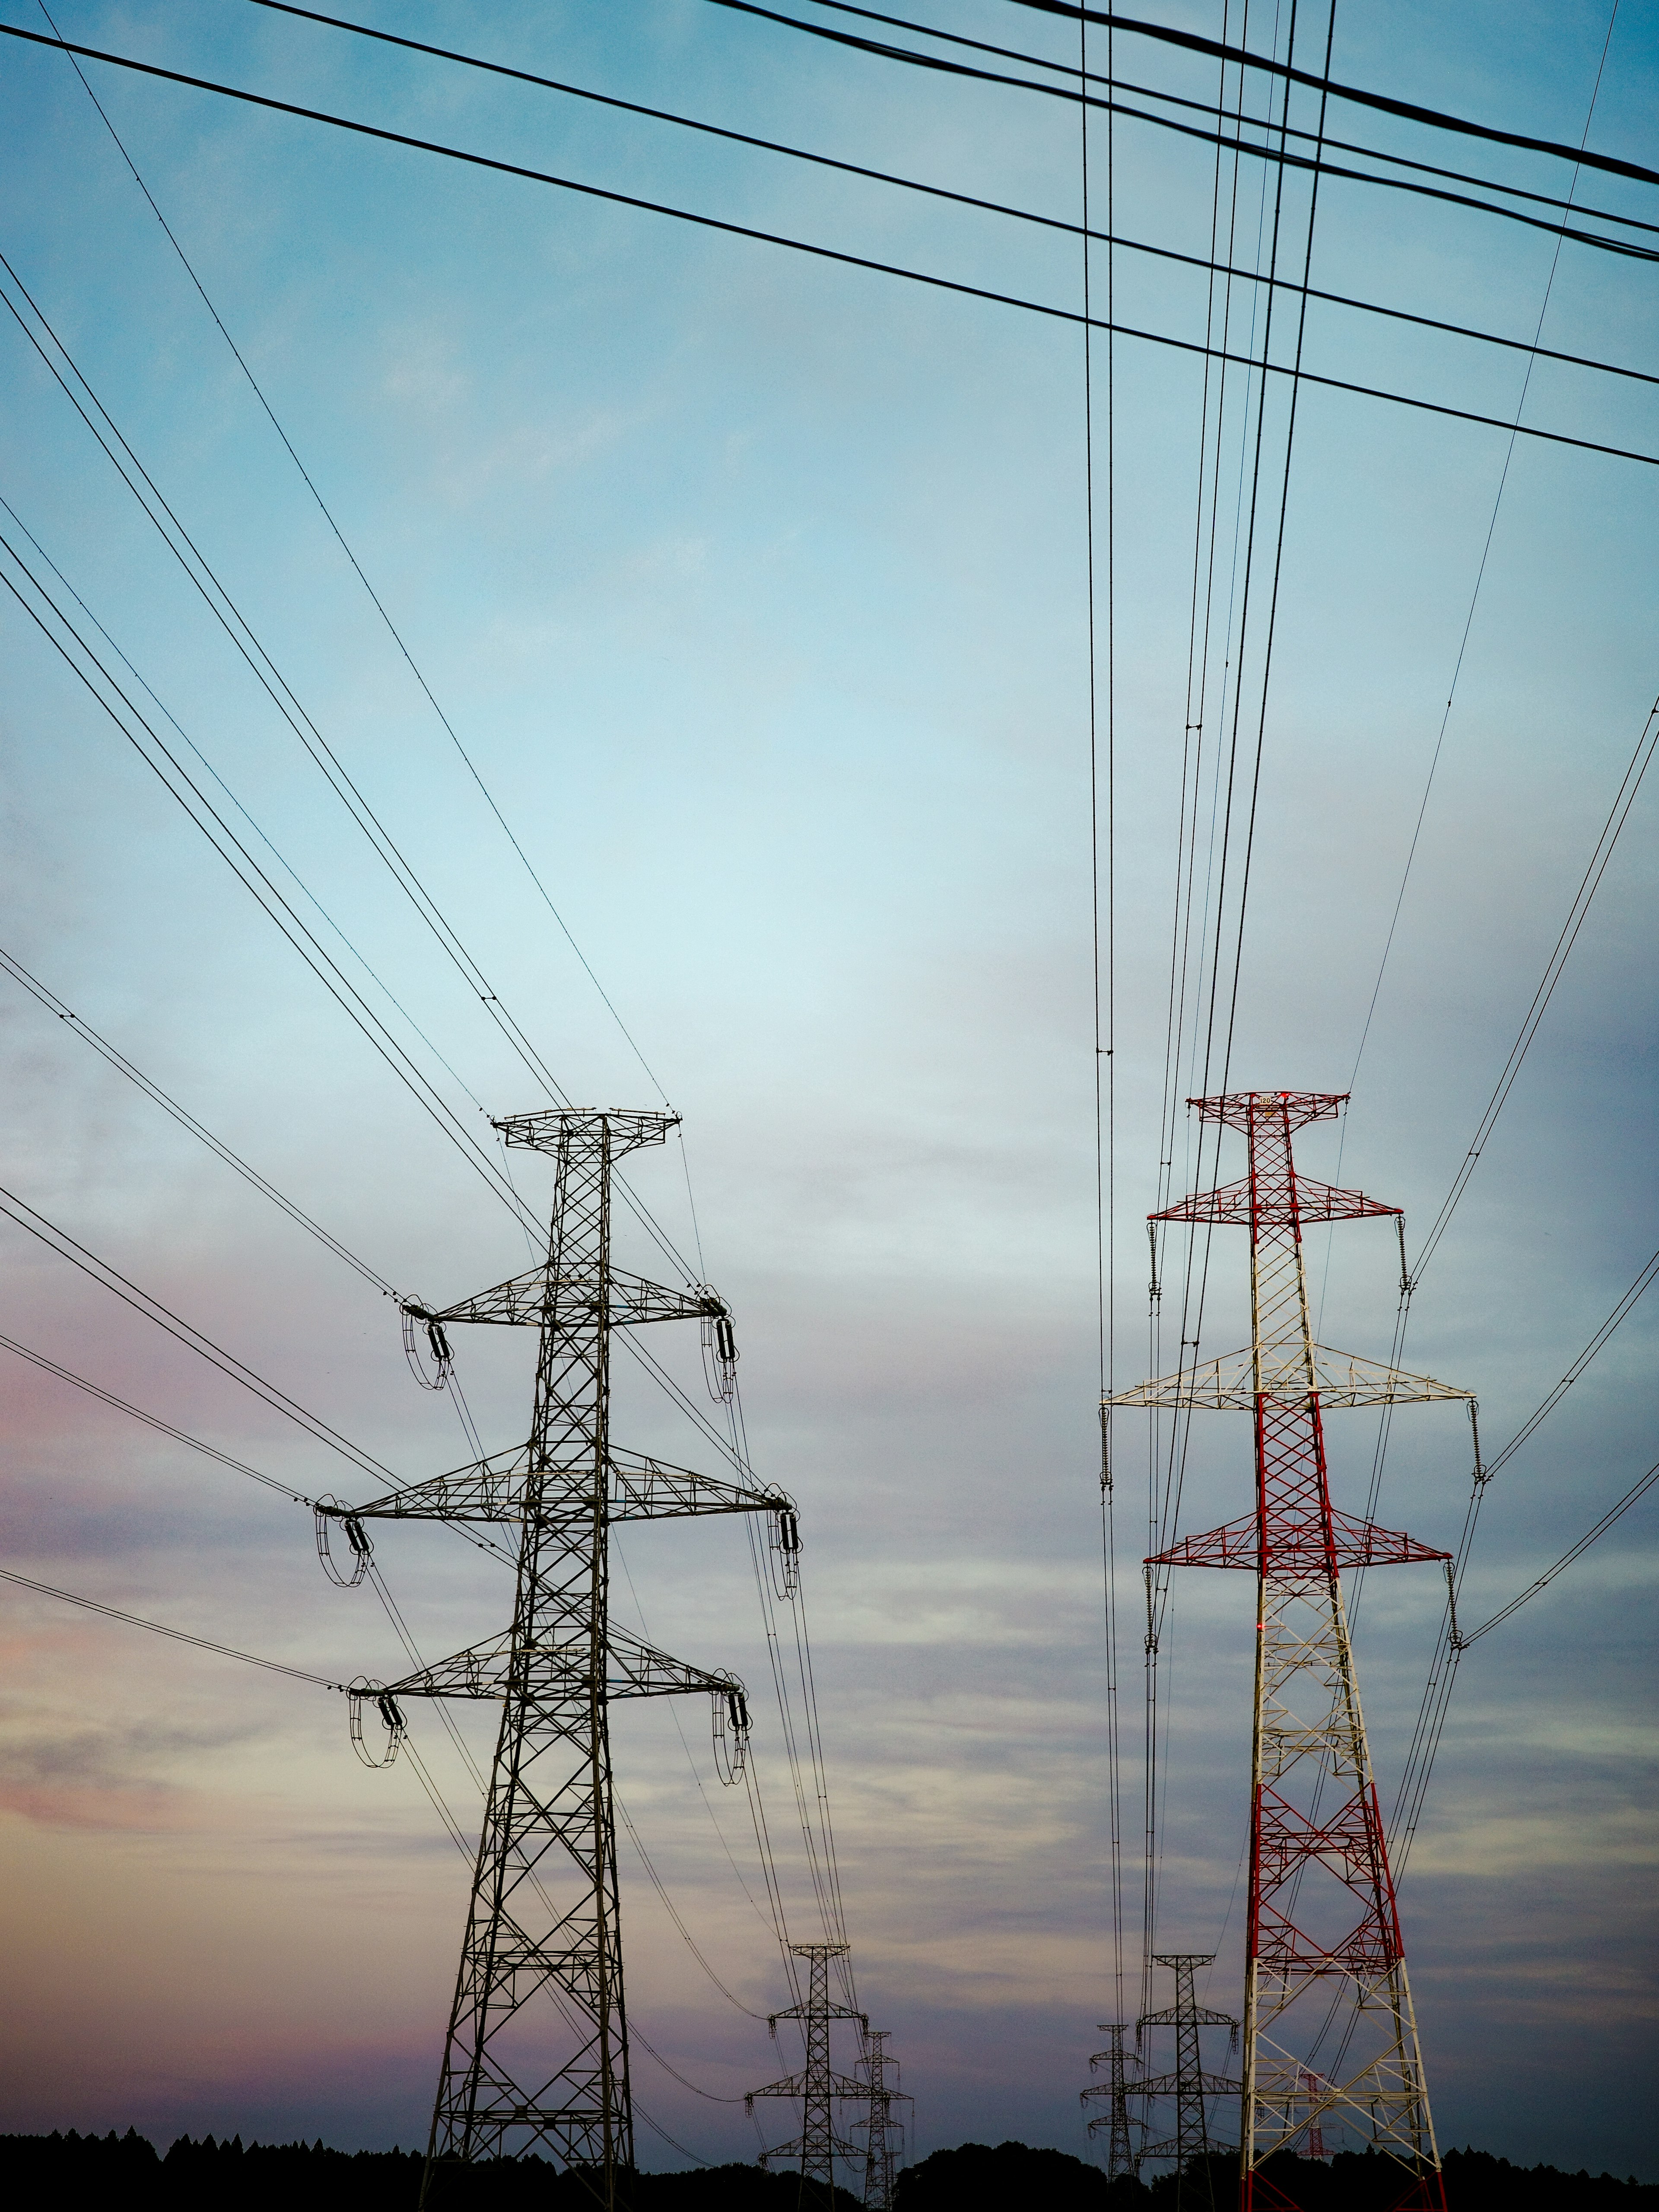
(1316,1842)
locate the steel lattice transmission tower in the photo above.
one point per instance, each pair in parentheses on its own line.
(1191,2088)
(536,2055)
(817,2086)
(1115,2090)
(1316,1845)
(883,2133)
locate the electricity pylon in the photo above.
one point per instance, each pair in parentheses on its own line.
(1308,1859)
(1191,2089)
(883,2133)
(1121,2155)
(816,2086)
(542,1923)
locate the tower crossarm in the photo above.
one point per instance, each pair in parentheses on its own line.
(645,1488)
(622,1300)
(642,1488)
(1230,1205)
(1175,2085)
(1308,1545)
(839,2085)
(634,1669)
(1187,2016)
(620,1130)
(1228,1385)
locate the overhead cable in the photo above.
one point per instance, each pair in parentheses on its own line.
(818,252)
(176,1635)
(879,176)
(1623,799)
(1618,1314)
(152,1089)
(1211,107)
(1281,157)
(1612,1514)
(176,780)
(122,1287)
(1468,623)
(1435,117)
(379,607)
(151,1420)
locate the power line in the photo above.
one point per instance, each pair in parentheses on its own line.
(1623,799)
(1612,1514)
(1475,596)
(379,607)
(111,1279)
(1282,157)
(1435,117)
(158,1628)
(177,781)
(911,185)
(153,1090)
(800,246)
(1542,1412)
(1204,107)
(150,1420)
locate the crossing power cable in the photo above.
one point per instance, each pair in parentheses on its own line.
(801,246)
(379,607)
(1282,157)
(1212,108)
(1107,237)
(230,618)
(1383,103)
(176,780)
(1474,601)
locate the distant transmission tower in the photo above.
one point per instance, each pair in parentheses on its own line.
(519,2073)
(883,2134)
(816,2086)
(1316,1844)
(1115,2090)
(1191,2089)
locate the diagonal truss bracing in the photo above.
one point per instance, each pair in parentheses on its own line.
(1325,1964)
(536,2055)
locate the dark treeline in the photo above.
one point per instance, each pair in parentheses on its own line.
(1012,2178)
(127,2173)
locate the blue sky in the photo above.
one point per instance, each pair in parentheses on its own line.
(755,587)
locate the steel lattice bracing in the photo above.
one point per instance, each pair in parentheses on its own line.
(817,2088)
(1322,1920)
(1122,2156)
(883,2132)
(536,2055)
(1189,2086)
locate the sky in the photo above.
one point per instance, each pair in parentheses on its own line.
(755,587)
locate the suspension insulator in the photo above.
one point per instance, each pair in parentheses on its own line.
(737,1707)
(328,1509)
(789,1530)
(725,1342)
(391,1715)
(415,1315)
